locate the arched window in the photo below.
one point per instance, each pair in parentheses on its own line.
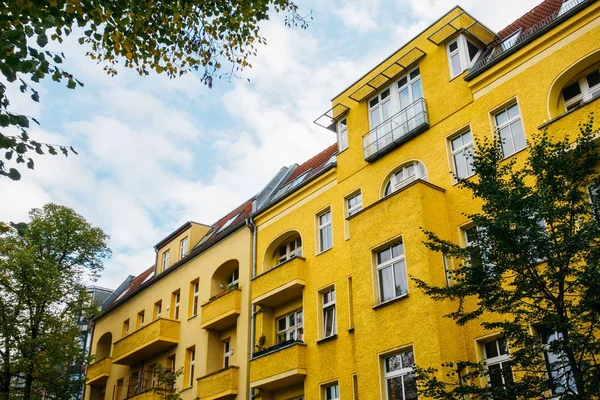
(583,88)
(283,248)
(289,249)
(405,175)
(225,278)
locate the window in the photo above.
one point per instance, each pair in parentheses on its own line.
(405,175)
(289,250)
(332,392)
(195,286)
(350,305)
(557,364)
(166,256)
(290,327)
(229,222)
(126,327)
(354,204)
(342,135)
(510,130)
(191,364)
(329,320)
(448,271)
(594,191)
(234,279)
(391,272)
(227,353)
(584,89)
(478,255)
(183,247)
(171,363)
(325,231)
(462,155)
(175,301)
(498,363)
(400,380)
(140,319)
(157,309)
(462,54)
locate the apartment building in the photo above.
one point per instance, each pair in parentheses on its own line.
(322,305)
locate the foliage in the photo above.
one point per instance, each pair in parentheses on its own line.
(42,270)
(166,37)
(532,272)
(165,383)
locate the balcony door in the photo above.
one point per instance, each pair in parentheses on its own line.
(409,91)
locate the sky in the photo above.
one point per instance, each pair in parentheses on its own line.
(155,152)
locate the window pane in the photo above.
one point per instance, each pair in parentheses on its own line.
(397,250)
(393,363)
(400,278)
(384,256)
(292,320)
(593,78)
(501,118)
(417,90)
(404,98)
(460,165)
(414,74)
(518,135)
(408,359)
(410,387)
(385,94)
(375,117)
(457,142)
(329,321)
(571,91)
(374,102)
(402,82)
(453,46)
(491,350)
(456,66)
(502,346)
(281,324)
(472,49)
(495,377)
(508,147)
(513,111)
(394,386)
(386,284)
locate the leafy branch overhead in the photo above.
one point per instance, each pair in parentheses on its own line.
(173,37)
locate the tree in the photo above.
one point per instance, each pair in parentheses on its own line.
(172,37)
(165,381)
(42,271)
(533,267)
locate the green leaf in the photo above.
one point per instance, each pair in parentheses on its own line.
(8,155)
(14,174)
(71,84)
(21,148)
(30,164)
(57,59)
(42,40)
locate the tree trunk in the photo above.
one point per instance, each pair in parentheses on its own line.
(574,367)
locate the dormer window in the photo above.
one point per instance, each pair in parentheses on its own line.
(342,130)
(462,54)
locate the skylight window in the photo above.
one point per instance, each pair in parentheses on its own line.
(148,277)
(123,293)
(229,222)
(292,184)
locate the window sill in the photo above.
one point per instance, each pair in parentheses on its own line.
(327,339)
(192,317)
(583,104)
(456,182)
(386,303)
(324,251)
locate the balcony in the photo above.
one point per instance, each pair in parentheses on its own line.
(146,342)
(278,366)
(222,311)
(222,384)
(137,389)
(396,130)
(98,372)
(280,284)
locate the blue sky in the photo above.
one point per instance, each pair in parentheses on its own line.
(155,152)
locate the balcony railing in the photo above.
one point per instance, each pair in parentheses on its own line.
(396,130)
(504,47)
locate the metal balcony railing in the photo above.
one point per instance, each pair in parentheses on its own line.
(396,130)
(136,385)
(505,46)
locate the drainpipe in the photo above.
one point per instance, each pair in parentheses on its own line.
(252,226)
(89,353)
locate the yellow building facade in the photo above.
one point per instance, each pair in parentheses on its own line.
(325,307)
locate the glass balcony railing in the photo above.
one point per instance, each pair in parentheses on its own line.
(396,130)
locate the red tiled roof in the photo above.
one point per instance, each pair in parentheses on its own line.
(536,15)
(315,163)
(134,285)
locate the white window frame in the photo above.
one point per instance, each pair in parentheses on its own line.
(326,227)
(508,124)
(357,206)
(289,252)
(233,279)
(395,183)
(332,391)
(399,373)
(158,308)
(177,303)
(465,151)
(500,359)
(342,129)
(227,353)
(196,287)
(586,94)
(141,316)
(329,307)
(291,332)
(183,247)
(166,256)
(192,364)
(390,264)
(462,50)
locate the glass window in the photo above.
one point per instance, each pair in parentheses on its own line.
(391,272)
(165,262)
(404,176)
(594,191)
(473,236)
(176,297)
(195,286)
(400,380)
(497,362)
(462,54)
(510,130)
(332,392)
(354,204)
(233,280)
(557,364)
(329,318)
(157,309)
(290,328)
(462,155)
(342,135)
(325,231)
(227,353)
(584,89)
(183,247)
(289,250)
(192,355)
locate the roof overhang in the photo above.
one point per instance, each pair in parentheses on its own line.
(330,117)
(463,22)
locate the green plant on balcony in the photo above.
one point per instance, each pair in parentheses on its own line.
(165,380)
